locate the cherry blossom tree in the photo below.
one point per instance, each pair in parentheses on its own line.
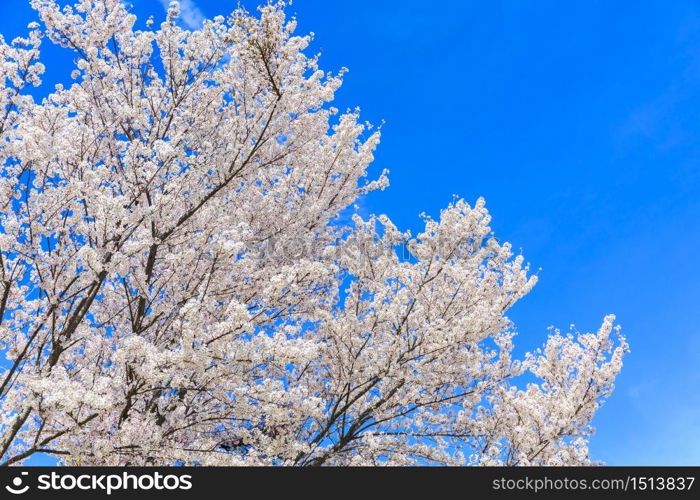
(181,283)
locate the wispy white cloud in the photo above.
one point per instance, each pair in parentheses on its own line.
(190,15)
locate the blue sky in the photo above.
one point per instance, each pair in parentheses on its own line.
(579,122)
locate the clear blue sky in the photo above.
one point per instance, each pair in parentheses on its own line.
(579,122)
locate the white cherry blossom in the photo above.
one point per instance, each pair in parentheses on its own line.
(178,284)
